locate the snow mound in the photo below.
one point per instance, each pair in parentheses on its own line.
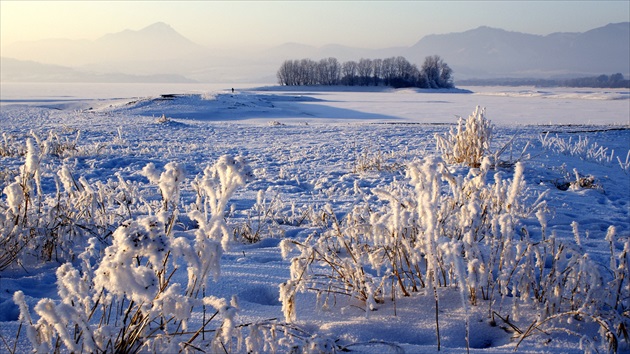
(217,106)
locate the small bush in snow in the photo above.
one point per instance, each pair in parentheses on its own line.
(367,161)
(573,289)
(577,182)
(263,220)
(126,302)
(53,226)
(469,143)
(163,120)
(447,231)
(9,147)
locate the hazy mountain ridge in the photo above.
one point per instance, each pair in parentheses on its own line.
(14,70)
(158,41)
(492,52)
(483,52)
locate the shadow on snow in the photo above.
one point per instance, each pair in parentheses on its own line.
(240,106)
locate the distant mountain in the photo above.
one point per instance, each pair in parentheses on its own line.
(14,70)
(491,52)
(157,42)
(28,71)
(479,53)
(487,52)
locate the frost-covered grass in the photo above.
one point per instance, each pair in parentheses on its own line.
(584,149)
(154,227)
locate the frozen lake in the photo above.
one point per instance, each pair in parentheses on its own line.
(505,105)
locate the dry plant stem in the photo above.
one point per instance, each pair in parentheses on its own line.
(623,265)
(201,330)
(506,321)
(610,335)
(6,344)
(437,318)
(397,275)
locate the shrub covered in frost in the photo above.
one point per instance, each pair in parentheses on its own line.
(122,299)
(470,142)
(55,226)
(465,233)
(116,290)
(263,219)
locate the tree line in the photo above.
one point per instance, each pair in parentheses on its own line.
(396,72)
(602,81)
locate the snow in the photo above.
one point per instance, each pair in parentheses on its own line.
(308,151)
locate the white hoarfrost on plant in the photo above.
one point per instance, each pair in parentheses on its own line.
(130,265)
(135,271)
(168,182)
(469,142)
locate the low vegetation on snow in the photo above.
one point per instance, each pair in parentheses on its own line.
(454,229)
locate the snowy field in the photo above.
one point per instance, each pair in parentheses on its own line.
(341,224)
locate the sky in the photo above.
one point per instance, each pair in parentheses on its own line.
(366,24)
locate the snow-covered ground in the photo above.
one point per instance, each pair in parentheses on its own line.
(311,150)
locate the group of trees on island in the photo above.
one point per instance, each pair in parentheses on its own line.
(395,72)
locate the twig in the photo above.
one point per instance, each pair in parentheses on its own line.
(507,321)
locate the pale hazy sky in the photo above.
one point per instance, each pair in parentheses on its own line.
(368,24)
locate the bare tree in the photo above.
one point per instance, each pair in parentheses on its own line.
(446,75)
(388,70)
(377,71)
(329,71)
(286,73)
(349,72)
(405,73)
(364,70)
(308,72)
(437,73)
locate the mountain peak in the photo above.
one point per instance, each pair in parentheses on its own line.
(156,40)
(156,30)
(158,27)
(488,28)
